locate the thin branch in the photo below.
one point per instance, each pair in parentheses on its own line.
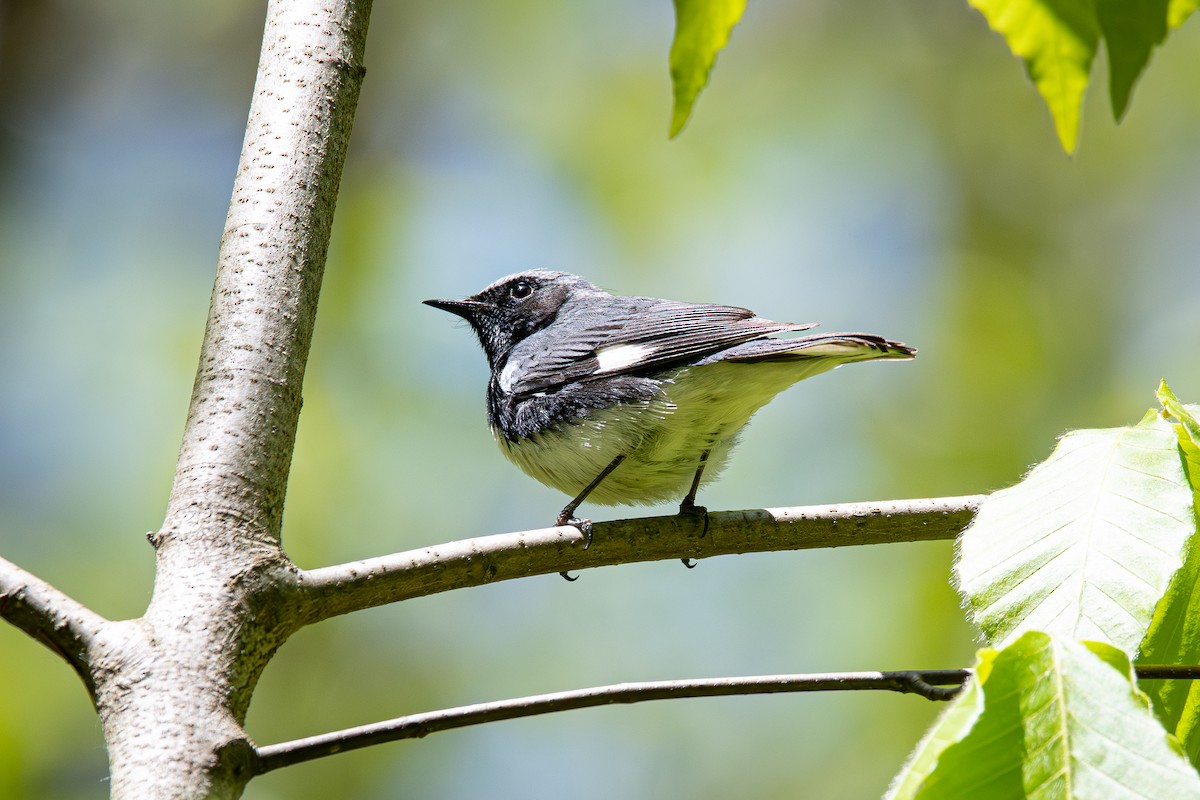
(932,684)
(329,591)
(51,616)
(923,682)
(1167,672)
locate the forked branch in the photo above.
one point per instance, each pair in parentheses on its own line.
(51,616)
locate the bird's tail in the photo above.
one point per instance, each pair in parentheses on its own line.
(839,347)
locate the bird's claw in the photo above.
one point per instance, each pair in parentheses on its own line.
(584,526)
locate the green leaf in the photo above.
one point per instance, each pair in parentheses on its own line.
(1086,545)
(955,723)
(1132,29)
(1057,40)
(1174,635)
(1188,416)
(1179,11)
(1048,718)
(702,28)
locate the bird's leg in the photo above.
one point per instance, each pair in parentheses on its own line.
(567,515)
(689,507)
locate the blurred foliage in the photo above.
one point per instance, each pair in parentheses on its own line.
(702,28)
(872,165)
(1057,39)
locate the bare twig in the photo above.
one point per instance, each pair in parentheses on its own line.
(932,684)
(51,616)
(334,590)
(1167,672)
(923,682)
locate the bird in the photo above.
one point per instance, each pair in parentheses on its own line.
(633,400)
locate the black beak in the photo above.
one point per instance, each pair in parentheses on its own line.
(461,308)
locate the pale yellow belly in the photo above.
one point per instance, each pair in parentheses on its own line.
(662,440)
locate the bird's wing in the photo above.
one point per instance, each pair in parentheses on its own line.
(640,335)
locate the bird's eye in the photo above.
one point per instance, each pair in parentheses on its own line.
(520,290)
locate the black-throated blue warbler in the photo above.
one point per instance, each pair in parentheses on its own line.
(633,400)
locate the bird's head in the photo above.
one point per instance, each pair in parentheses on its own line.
(515,307)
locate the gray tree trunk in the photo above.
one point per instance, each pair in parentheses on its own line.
(172,688)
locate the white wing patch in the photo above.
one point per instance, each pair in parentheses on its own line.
(620,356)
(507,375)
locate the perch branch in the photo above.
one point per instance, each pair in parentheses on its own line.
(329,591)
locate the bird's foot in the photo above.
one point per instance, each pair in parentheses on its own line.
(688,508)
(584,526)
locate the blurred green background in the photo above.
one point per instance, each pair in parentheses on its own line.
(881,166)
